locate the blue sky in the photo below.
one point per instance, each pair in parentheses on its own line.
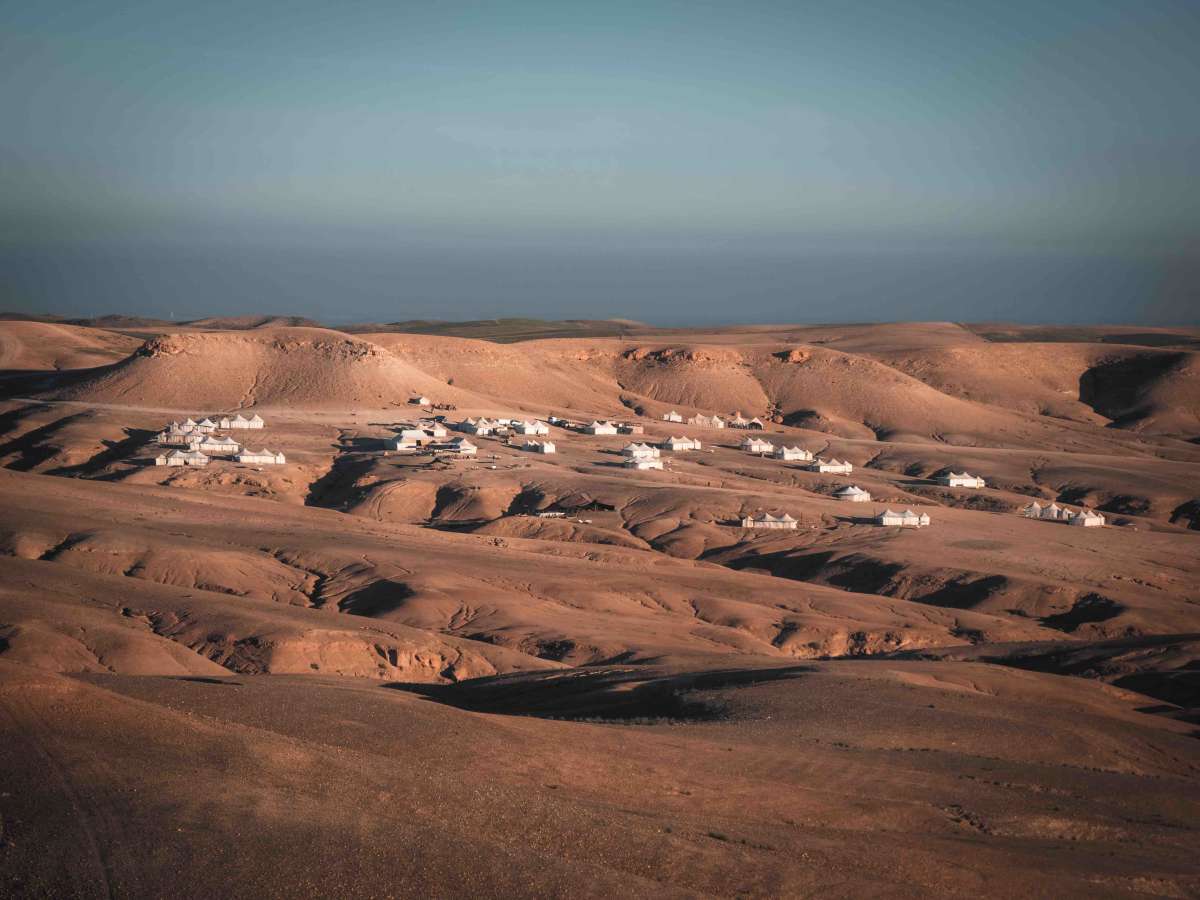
(672,162)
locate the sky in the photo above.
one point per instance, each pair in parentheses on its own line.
(677,163)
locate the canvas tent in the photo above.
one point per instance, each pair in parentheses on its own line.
(954,479)
(757,445)
(261,457)
(852,493)
(766,520)
(792,453)
(906,519)
(640,451)
(182,458)
(831,466)
(678,444)
(218,445)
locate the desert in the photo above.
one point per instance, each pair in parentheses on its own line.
(370,638)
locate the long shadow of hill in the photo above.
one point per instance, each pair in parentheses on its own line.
(607,694)
(134,440)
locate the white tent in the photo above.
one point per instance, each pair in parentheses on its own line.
(640,451)
(1087,518)
(792,453)
(535,427)
(181,458)
(680,443)
(477,426)
(672,416)
(261,457)
(852,493)
(964,480)
(600,428)
(831,466)
(240,421)
(408,438)
(906,519)
(171,438)
(631,428)
(214,444)
(757,445)
(766,520)
(540,447)
(707,421)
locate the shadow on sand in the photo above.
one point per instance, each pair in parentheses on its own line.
(631,695)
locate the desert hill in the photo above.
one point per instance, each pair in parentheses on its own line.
(273,366)
(1142,389)
(1011,395)
(41,346)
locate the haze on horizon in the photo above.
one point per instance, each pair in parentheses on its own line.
(669,162)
